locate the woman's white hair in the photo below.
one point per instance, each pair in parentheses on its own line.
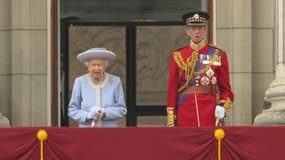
(105,61)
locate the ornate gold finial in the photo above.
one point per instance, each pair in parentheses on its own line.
(219,135)
(42,136)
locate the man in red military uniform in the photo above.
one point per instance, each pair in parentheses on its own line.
(199,90)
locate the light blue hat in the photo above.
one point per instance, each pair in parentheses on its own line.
(95,53)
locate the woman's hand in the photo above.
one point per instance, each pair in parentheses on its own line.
(94,113)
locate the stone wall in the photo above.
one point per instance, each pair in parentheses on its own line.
(244,28)
(5,60)
(246,31)
(28,62)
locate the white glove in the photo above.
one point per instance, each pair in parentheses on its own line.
(94,113)
(220,112)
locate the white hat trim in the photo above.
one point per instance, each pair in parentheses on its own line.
(95,53)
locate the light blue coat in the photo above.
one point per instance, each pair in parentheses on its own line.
(84,98)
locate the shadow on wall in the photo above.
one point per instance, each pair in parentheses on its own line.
(4,122)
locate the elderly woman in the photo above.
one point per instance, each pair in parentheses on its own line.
(97,97)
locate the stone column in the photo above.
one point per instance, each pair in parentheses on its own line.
(275,94)
(5,59)
(29,63)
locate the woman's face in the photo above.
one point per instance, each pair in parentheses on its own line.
(96,68)
(196,33)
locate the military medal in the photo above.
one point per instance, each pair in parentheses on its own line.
(217,60)
(204,59)
(207,59)
(210,72)
(201,58)
(214,80)
(205,81)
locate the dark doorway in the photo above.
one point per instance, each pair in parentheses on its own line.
(142,44)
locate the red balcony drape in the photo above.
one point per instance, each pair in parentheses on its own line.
(239,143)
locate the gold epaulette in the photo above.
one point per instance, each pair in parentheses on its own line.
(179,60)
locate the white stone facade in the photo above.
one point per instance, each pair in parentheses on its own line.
(244,28)
(23,73)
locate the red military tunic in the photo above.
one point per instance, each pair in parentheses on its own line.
(211,70)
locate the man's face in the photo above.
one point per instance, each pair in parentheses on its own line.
(196,33)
